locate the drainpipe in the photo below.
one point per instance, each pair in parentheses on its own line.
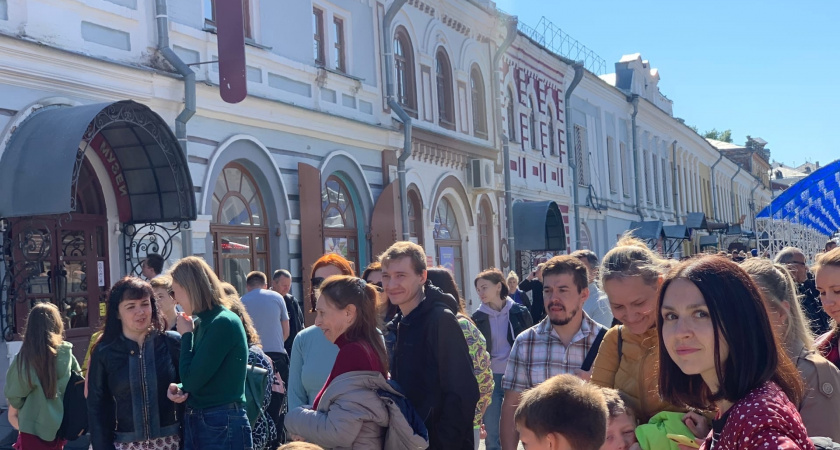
(634,100)
(578,66)
(512,21)
(714,186)
(387,45)
(674,184)
(162,19)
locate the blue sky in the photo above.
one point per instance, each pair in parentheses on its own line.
(760,68)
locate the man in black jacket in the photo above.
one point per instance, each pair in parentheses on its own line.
(533,283)
(281,282)
(429,357)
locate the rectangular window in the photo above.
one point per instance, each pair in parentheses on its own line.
(665,179)
(338,44)
(611,164)
(645,170)
(626,169)
(318,32)
(210,16)
(581,156)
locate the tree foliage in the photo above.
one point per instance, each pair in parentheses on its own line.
(725,135)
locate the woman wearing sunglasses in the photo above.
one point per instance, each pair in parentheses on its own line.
(313,355)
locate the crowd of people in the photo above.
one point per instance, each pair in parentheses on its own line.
(631,351)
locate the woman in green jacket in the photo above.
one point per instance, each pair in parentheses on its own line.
(214,358)
(37,378)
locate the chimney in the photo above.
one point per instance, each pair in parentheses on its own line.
(818,164)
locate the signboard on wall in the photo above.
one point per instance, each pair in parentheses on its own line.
(447,259)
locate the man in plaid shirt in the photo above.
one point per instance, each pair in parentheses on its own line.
(556,345)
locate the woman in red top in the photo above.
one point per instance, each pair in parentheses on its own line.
(722,354)
(347,412)
(827,277)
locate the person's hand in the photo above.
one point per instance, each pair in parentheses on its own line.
(583,375)
(175,394)
(697,423)
(183,324)
(482,433)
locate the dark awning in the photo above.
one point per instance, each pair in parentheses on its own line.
(696,220)
(651,229)
(149,174)
(733,229)
(707,241)
(676,231)
(538,226)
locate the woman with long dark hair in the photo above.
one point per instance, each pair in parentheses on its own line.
(312,354)
(37,377)
(721,353)
(347,412)
(131,368)
(214,358)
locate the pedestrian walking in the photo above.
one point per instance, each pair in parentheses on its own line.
(430,358)
(161,285)
(719,349)
(533,284)
(214,356)
(347,412)
(281,283)
(819,408)
(500,321)
(313,355)
(36,380)
(131,368)
(794,260)
(597,305)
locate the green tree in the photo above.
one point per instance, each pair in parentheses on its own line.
(725,135)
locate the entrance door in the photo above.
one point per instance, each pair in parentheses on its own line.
(64,263)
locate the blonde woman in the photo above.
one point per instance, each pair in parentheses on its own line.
(214,357)
(818,408)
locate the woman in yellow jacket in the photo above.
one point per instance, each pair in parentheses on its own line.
(630,275)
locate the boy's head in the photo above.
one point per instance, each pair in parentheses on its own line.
(562,413)
(621,428)
(299,445)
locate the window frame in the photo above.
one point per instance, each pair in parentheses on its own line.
(511,113)
(581,156)
(318,37)
(611,166)
(339,44)
(210,22)
(479,104)
(532,123)
(445,89)
(625,161)
(406,86)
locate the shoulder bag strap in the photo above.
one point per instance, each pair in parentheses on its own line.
(593,351)
(620,342)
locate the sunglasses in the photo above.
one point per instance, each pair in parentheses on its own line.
(378,286)
(316,282)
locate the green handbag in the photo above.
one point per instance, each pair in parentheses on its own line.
(256,383)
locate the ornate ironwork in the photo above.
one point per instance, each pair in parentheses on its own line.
(33,241)
(528,260)
(141,240)
(136,114)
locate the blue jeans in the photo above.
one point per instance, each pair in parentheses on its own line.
(494,414)
(223,427)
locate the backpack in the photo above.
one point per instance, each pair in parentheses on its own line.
(824,443)
(256,382)
(406,430)
(75,420)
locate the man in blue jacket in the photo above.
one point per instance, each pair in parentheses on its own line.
(429,356)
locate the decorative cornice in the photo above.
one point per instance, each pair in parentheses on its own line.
(423,7)
(455,24)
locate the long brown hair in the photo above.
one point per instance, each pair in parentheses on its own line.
(343,291)
(43,335)
(202,285)
(739,317)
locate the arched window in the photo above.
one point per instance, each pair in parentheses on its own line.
(511,119)
(239,229)
(485,235)
(448,240)
(532,123)
(479,110)
(415,217)
(443,75)
(339,216)
(404,70)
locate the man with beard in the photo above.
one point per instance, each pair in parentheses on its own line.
(559,344)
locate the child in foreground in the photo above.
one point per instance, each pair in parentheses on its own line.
(621,427)
(562,413)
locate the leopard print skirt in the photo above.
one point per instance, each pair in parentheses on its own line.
(163,443)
